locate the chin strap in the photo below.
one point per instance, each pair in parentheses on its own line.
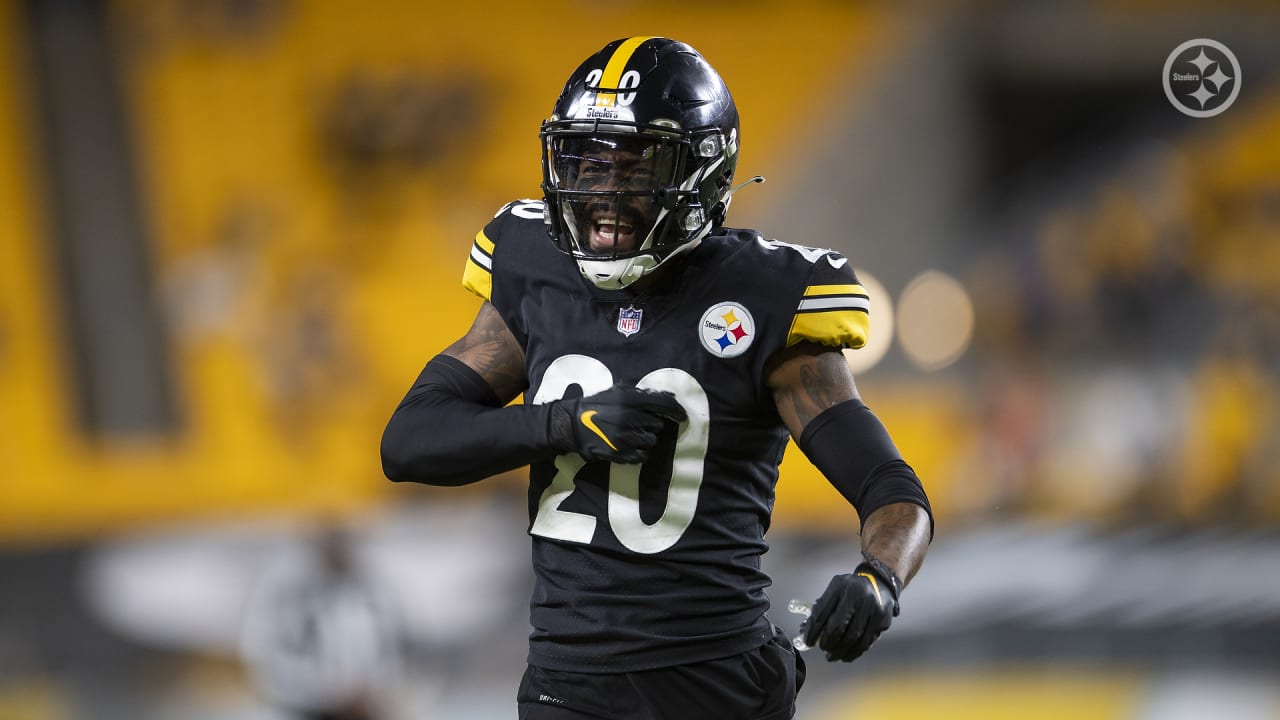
(617,274)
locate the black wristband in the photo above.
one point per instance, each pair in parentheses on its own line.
(883,571)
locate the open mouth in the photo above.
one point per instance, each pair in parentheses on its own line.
(610,231)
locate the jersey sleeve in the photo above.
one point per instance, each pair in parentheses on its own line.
(834,309)
(477,276)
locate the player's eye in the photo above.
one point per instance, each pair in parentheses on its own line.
(640,178)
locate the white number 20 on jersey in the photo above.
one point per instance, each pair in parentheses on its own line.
(624,480)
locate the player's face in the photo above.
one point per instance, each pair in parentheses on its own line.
(617,223)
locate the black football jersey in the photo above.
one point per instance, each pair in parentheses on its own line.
(653,565)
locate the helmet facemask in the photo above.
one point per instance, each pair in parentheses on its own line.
(623,201)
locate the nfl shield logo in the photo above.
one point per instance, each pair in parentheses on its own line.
(629,320)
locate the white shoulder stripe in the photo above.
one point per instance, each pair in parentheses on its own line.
(848,302)
(480,258)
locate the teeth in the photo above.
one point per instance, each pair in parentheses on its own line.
(611,228)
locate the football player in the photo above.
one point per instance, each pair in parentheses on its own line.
(664,359)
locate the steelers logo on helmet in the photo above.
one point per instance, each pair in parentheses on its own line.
(727,329)
(639,154)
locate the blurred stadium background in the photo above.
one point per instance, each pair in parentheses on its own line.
(231,232)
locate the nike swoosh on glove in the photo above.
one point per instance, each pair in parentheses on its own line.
(619,425)
(852,612)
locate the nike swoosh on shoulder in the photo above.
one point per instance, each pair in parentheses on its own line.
(586,419)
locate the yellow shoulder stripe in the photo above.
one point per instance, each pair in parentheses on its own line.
(825,298)
(477,276)
(850,289)
(484,243)
(836,328)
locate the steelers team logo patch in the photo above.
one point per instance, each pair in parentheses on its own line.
(727,330)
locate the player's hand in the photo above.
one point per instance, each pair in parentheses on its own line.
(852,612)
(620,424)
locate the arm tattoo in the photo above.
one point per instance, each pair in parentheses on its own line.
(807,382)
(823,384)
(491,350)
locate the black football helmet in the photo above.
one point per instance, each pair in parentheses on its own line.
(638,158)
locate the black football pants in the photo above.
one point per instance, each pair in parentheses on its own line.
(759,684)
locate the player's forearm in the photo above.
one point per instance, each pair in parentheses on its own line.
(450,431)
(898,535)
(460,445)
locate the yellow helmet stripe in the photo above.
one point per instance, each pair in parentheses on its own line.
(613,71)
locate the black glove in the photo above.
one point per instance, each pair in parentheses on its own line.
(853,611)
(620,424)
